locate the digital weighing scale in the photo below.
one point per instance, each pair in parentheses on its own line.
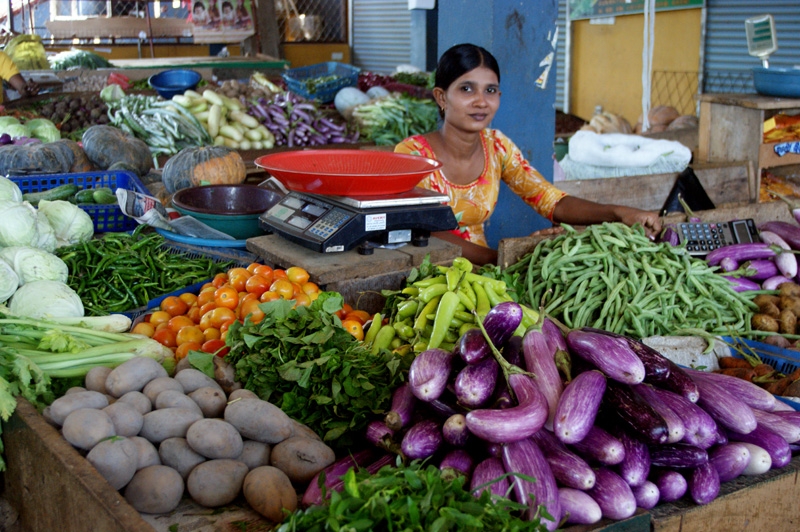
(330,224)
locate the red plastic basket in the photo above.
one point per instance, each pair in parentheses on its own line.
(347,172)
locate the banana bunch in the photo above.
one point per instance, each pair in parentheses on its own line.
(433,312)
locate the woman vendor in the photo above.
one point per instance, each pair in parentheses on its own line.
(475,158)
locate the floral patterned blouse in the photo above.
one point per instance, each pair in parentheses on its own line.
(474,203)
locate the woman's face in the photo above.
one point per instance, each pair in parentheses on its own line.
(472,100)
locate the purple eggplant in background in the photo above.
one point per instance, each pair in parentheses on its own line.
(678,381)
(555,337)
(646,494)
(613,495)
(473,347)
(741,252)
(457,462)
(780,425)
(455,430)
(475,384)
(611,355)
(636,413)
(539,360)
(422,440)
(656,365)
(675,429)
(677,455)
(778,449)
(789,232)
(402,409)
(635,466)
(762,269)
(600,446)
(512,351)
(568,468)
(515,423)
(489,474)
(333,475)
(742,284)
(729,264)
(578,405)
(501,322)
(726,408)
(729,460)
(578,507)
(379,435)
(704,484)
(749,392)
(429,373)
(525,457)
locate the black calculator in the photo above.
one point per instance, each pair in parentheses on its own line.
(702,238)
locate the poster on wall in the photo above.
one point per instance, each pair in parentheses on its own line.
(221,21)
(580,9)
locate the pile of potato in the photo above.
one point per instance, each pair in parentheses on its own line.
(154,436)
(779,314)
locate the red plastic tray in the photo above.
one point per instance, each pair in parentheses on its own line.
(342,172)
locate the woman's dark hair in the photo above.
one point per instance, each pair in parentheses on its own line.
(198,4)
(227,4)
(460,59)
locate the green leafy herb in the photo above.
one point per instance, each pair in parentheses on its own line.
(303,361)
(410,498)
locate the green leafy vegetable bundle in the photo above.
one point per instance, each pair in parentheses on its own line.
(416,497)
(303,361)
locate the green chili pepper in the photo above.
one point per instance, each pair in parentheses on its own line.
(444,314)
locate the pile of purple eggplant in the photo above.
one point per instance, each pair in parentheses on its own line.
(763,265)
(295,121)
(602,422)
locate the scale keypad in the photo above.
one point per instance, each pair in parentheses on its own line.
(327,225)
(702,237)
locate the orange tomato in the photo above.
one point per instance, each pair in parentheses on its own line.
(227,297)
(194,313)
(174,306)
(264,271)
(219,280)
(206,295)
(302,300)
(252,267)
(283,287)
(217,347)
(279,274)
(359,315)
(257,284)
(237,278)
(189,298)
(183,349)
(342,312)
(205,322)
(310,288)
(247,297)
(221,315)
(144,328)
(158,317)
(166,336)
(190,333)
(208,307)
(269,295)
(296,274)
(211,333)
(250,308)
(297,290)
(354,328)
(176,323)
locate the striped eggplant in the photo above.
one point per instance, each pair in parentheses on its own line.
(729,460)
(525,457)
(422,440)
(752,394)
(785,261)
(454,430)
(762,269)
(473,347)
(725,407)
(635,466)
(760,460)
(656,365)
(402,408)
(700,429)
(675,428)
(742,252)
(600,446)
(515,423)
(334,474)
(578,507)
(475,383)
(610,355)
(429,373)
(539,360)
(379,435)
(489,474)
(638,416)
(613,495)
(457,462)
(678,381)
(646,494)
(578,405)
(777,447)
(554,336)
(704,484)
(786,429)
(501,321)
(789,232)
(677,455)
(671,484)
(512,351)
(568,468)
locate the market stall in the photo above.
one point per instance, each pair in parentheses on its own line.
(372,344)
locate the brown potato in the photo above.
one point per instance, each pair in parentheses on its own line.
(216,483)
(95,379)
(176,453)
(66,404)
(211,401)
(127,420)
(301,458)
(762,322)
(790,303)
(790,289)
(86,427)
(762,299)
(214,438)
(155,489)
(116,460)
(269,491)
(259,420)
(133,375)
(771,310)
(788,322)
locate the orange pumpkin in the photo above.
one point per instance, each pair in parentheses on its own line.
(203,165)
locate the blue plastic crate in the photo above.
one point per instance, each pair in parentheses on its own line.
(783,360)
(106,218)
(346,76)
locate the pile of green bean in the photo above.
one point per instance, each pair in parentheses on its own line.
(123,271)
(612,277)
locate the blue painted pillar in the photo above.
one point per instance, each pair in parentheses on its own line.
(520,34)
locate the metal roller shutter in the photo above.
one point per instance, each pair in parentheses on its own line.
(727,67)
(562,66)
(381,34)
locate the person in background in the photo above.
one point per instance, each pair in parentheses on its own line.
(228,15)
(475,158)
(200,15)
(10,74)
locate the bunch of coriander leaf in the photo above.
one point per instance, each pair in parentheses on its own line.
(303,361)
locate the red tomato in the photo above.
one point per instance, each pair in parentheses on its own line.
(217,347)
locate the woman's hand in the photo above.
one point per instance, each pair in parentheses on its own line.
(650,221)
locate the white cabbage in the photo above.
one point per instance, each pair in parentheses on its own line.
(34,264)
(70,223)
(18,227)
(9,190)
(46,299)
(46,237)
(8,281)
